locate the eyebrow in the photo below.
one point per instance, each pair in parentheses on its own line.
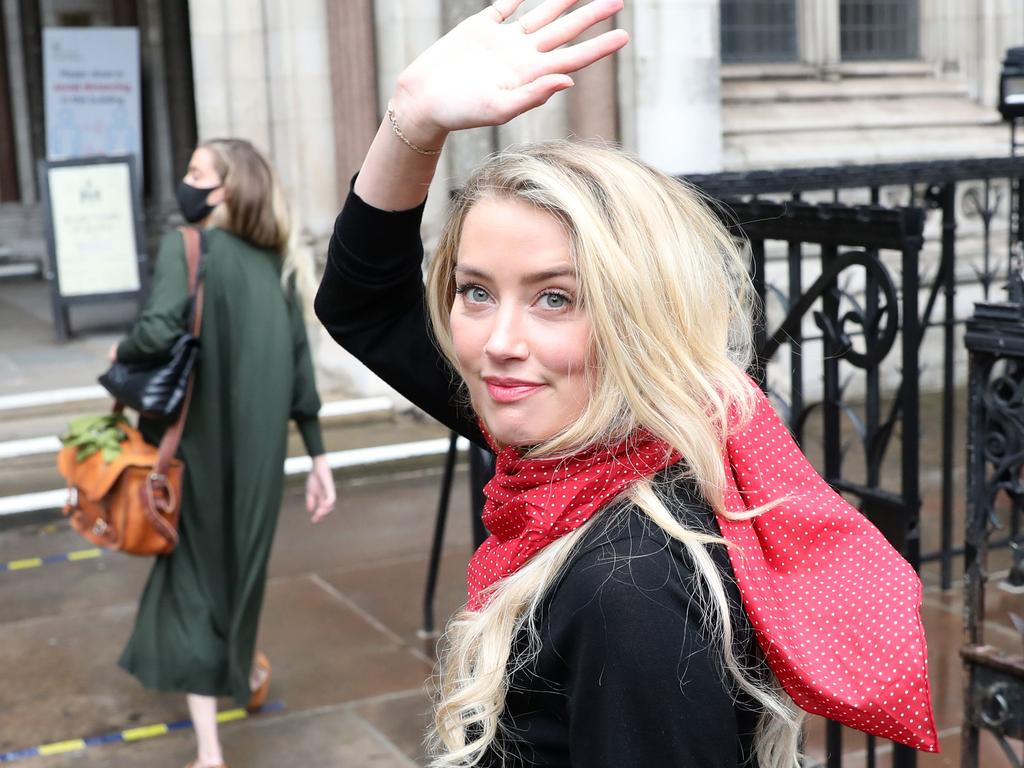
(535,277)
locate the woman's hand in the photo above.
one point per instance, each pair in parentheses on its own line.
(487,70)
(320,495)
(112,352)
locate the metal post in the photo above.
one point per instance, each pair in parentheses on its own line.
(905,757)
(947,202)
(833,450)
(435,547)
(758,372)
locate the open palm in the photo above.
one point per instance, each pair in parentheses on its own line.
(487,70)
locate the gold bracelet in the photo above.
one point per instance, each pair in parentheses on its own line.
(398,132)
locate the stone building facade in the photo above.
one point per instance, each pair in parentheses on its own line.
(705,85)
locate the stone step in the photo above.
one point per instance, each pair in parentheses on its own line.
(867,113)
(756,91)
(845,145)
(42,414)
(397,442)
(795,70)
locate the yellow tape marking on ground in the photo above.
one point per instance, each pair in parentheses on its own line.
(231,714)
(60,747)
(85,554)
(145,732)
(20,565)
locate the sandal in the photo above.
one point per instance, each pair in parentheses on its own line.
(258,696)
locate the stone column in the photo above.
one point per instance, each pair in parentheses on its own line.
(31,38)
(160,173)
(353,83)
(181,100)
(405,28)
(230,70)
(593,102)
(818,38)
(670,105)
(465,150)
(301,112)
(19,102)
(262,72)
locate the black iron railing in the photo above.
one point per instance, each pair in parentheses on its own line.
(859,335)
(973,197)
(994,678)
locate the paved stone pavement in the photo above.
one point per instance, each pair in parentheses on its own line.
(339,625)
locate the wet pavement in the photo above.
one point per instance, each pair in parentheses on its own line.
(340,625)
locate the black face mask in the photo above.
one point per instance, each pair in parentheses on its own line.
(192,202)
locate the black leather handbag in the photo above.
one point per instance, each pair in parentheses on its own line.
(156,389)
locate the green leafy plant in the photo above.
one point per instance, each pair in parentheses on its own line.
(96,433)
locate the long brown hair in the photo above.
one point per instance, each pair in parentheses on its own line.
(254,208)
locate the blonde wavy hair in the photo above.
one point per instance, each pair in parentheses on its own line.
(255,210)
(671,338)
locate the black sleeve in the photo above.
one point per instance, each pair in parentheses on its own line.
(371,301)
(643,686)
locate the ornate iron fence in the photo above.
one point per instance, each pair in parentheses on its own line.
(859,334)
(972,198)
(994,678)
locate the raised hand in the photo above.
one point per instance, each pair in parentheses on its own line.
(488,69)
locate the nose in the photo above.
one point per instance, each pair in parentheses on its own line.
(507,340)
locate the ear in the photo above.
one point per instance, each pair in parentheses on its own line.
(216,197)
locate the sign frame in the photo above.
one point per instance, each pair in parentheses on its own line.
(61,302)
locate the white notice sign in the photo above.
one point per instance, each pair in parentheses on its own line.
(91,82)
(93,228)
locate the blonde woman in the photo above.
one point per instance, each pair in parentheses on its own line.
(629,607)
(195,631)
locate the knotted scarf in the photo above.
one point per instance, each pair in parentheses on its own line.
(836,610)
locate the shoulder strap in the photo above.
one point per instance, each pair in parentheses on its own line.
(193,256)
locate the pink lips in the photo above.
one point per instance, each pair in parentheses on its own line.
(504,390)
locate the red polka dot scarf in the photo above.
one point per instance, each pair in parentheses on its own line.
(836,610)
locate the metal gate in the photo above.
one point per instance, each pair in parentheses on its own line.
(860,314)
(758,31)
(878,29)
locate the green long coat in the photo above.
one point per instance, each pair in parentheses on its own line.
(195,631)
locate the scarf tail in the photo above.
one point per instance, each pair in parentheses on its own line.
(835,608)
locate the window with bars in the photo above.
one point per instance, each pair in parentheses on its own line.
(758,31)
(878,29)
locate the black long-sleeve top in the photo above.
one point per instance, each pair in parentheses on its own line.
(625,675)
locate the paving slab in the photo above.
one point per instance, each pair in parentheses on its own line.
(402,720)
(393,592)
(340,624)
(375,521)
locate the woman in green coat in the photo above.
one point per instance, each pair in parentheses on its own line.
(195,631)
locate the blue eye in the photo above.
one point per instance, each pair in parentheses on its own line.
(555,300)
(473,294)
